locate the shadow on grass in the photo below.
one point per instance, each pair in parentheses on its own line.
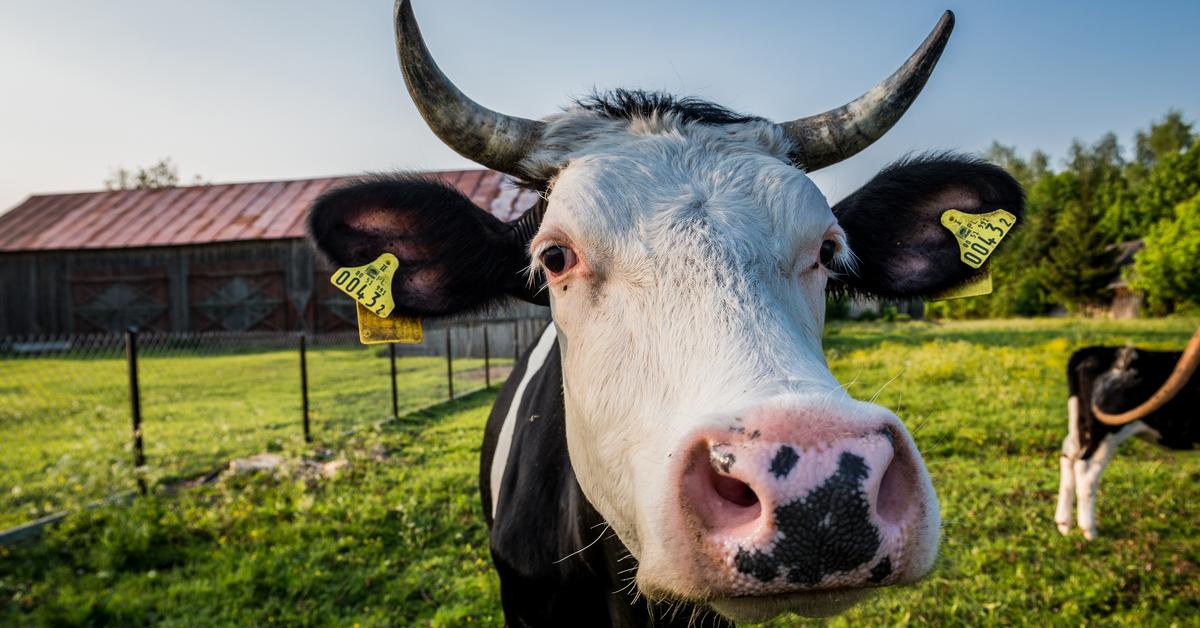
(852,336)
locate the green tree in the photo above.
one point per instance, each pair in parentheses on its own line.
(163,174)
(1077,262)
(1170,136)
(1168,269)
(1164,173)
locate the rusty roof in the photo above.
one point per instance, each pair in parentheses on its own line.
(202,214)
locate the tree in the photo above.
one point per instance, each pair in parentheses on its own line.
(1168,137)
(1081,262)
(163,174)
(1164,173)
(1168,269)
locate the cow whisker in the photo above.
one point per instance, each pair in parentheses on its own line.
(585,547)
(885,385)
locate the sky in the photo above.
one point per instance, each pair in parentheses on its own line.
(242,91)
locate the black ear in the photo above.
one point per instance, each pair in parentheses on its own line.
(893,223)
(454,256)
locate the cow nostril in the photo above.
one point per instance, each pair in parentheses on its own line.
(734,491)
(894,493)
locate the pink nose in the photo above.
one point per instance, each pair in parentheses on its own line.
(780,508)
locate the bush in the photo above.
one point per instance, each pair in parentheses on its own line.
(1168,269)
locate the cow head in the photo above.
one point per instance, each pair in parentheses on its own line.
(685,256)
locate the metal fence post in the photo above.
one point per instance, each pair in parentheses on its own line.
(516,343)
(304,386)
(487,367)
(449,364)
(135,406)
(395,393)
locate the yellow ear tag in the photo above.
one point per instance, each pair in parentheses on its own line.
(974,288)
(370,286)
(978,234)
(373,330)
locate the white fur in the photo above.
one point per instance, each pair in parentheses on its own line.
(695,297)
(1079,479)
(537,359)
(1066,463)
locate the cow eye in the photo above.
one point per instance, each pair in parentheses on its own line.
(828,249)
(558,259)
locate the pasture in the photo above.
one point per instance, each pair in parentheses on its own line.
(64,421)
(398,539)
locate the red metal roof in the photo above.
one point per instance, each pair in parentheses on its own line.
(264,210)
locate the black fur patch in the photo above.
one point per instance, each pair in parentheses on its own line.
(627,104)
(827,531)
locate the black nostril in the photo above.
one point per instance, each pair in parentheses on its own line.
(734,491)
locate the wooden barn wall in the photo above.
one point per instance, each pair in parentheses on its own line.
(41,290)
(173,288)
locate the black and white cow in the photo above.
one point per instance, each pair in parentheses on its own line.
(1116,393)
(674,443)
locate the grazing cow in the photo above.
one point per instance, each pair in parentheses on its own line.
(1115,393)
(674,442)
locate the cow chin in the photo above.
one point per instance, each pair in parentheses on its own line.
(755,610)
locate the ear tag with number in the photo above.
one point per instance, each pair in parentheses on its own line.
(373,330)
(370,285)
(974,288)
(978,235)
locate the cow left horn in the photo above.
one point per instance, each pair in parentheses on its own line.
(484,136)
(830,137)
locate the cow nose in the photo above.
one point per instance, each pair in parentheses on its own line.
(798,513)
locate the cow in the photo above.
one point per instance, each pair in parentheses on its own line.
(673,446)
(1116,393)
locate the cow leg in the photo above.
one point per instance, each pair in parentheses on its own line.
(1087,476)
(1066,464)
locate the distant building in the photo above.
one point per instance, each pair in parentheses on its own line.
(228,257)
(1126,302)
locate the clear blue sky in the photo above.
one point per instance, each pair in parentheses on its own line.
(235,90)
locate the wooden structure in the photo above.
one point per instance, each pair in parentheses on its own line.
(1126,302)
(229,257)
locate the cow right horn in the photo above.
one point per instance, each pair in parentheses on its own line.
(484,136)
(827,138)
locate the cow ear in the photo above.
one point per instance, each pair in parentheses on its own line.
(453,256)
(893,223)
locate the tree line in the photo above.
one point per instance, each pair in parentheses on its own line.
(1083,215)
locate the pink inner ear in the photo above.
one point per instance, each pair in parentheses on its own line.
(904,266)
(960,198)
(381,221)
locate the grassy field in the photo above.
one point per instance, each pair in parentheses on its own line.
(65,421)
(398,539)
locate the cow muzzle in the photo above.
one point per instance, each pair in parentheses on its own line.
(794,501)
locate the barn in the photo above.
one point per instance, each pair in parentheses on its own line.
(228,257)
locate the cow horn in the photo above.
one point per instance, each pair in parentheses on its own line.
(830,137)
(1180,376)
(484,136)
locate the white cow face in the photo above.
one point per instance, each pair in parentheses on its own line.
(687,278)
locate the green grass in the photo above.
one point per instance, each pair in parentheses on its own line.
(66,429)
(399,539)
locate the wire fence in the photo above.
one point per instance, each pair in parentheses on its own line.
(84,418)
